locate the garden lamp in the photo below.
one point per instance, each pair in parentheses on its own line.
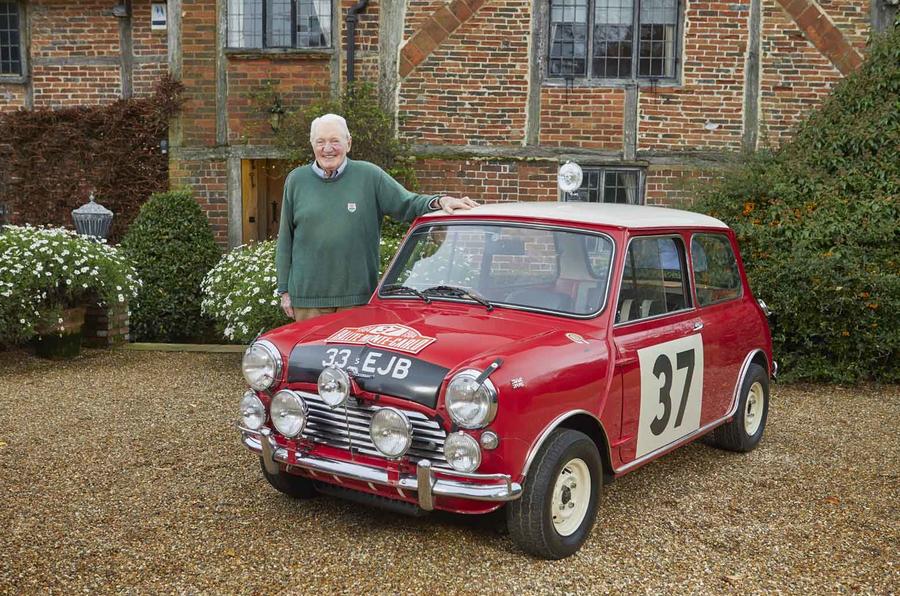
(4,216)
(92,219)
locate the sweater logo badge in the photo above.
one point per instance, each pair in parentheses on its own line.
(351,207)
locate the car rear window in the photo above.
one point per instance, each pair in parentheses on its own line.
(716,274)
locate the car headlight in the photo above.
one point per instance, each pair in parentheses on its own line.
(261,365)
(289,413)
(334,386)
(471,405)
(462,452)
(253,412)
(391,431)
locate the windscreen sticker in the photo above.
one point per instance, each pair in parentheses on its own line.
(390,336)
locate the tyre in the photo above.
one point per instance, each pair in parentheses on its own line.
(556,511)
(744,432)
(293,486)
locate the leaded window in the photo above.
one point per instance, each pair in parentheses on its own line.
(10,39)
(609,185)
(614,39)
(259,24)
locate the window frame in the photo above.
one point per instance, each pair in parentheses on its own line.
(22,76)
(602,170)
(544,23)
(291,49)
(687,280)
(734,254)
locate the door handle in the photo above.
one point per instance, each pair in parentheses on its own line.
(698,325)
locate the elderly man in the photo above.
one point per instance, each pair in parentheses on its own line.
(327,252)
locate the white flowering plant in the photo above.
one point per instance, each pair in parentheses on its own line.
(239,293)
(44,270)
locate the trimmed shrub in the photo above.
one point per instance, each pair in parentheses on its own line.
(818,224)
(239,293)
(172,247)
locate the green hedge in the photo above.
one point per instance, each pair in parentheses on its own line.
(818,224)
(172,247)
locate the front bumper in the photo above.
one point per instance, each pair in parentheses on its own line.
(426,484)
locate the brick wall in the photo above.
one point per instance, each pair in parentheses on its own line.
(472,89)
(795,75)
(488,181)
(591,118)
(707,110)
(675,185)
(75,54)
(67,30)
(297,80)
(105,326)
(207,179)
(366,42)
(198,72)
(12,97)
(150,49)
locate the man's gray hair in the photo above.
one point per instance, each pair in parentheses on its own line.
(325,119)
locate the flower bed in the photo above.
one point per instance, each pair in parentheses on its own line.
(44,271)
(239,292)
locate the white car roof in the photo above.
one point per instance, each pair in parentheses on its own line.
(610,214)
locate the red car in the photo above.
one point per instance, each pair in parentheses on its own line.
(519,355)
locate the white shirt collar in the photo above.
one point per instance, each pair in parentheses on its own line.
(321,173)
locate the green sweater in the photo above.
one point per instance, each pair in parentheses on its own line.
(329,236)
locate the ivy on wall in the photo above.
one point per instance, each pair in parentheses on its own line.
(51,160)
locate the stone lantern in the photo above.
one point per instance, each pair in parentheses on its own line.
(92,219)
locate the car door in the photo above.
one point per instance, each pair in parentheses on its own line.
(660,351)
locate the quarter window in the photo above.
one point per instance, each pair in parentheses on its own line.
(614,39)
(654,281)
(10,39)
(607,185)
(716,275)
(258,24)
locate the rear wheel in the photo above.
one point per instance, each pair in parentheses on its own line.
(293,486)
(746,430)
(556,511)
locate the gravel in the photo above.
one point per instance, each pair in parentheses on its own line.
(120,472)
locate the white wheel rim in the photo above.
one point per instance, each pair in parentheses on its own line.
(571,495)
(753,409)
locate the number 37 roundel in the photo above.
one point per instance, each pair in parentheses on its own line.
(671,392)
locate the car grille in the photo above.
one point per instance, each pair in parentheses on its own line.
(339,426)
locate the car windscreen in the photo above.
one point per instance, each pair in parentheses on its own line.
(514,265)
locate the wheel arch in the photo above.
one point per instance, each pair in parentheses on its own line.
(756,356)
(583,422)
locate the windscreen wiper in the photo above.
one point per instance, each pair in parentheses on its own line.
(401,289)
(460,293)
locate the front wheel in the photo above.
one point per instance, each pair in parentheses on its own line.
(556,511)
(293,486)
(744,432)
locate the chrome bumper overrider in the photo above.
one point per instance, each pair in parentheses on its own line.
(485,487)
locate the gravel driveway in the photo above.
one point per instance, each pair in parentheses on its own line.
(120,472)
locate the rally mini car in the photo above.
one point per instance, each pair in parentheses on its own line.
(519,356)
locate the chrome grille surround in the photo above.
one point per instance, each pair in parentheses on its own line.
(330,427)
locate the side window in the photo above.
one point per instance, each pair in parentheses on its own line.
(654,279)
(716,274)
